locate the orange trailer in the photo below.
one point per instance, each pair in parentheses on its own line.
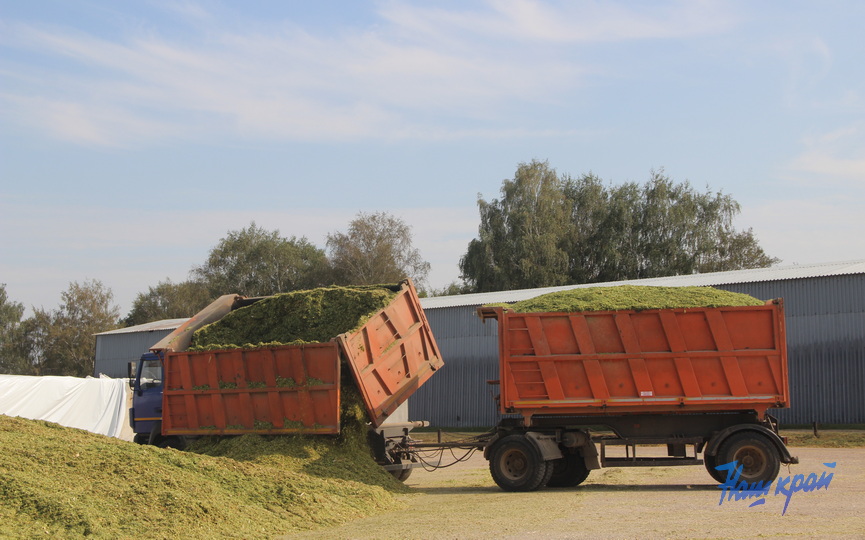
(672,360)
(701,377)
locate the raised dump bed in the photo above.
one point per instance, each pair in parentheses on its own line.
(269,388)
(658,360)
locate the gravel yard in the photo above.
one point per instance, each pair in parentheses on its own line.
(672,502)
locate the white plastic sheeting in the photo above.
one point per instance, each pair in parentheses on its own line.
(96,405)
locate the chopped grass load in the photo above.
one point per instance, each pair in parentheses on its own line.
(631,297)
(313,316)
(61,482)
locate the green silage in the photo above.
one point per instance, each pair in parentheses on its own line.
(312,316)
(631,297)
(60,482)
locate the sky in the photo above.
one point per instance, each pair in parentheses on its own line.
(135,135)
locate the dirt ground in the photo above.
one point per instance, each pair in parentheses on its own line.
(672,502)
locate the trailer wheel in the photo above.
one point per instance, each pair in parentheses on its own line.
(569,471)
(401,474)
(711,462)
(516,465)
(757,456)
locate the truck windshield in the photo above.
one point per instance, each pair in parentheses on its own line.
(151,373)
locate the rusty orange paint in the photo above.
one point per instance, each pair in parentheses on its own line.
(671,360)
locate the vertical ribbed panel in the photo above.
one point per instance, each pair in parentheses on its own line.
(825,346)
(825,319)
(115,351)
(458,395)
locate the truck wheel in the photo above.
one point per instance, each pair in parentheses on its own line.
(401,474)
(178,443)
(569,471)
(516,465)
(757,456)
(711,462)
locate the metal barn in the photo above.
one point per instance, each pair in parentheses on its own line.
(117,348)
(825,316)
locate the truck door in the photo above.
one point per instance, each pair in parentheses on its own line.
(147,397)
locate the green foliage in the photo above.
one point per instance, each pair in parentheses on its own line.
(61,341)
(168,301)
(14,358)
(520,235)
(58,482)
(632,297)
(549,230)
(256,262)
(376,249)
(313,316)
(452,288)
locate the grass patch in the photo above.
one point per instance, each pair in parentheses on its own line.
(827,439)
(631,297)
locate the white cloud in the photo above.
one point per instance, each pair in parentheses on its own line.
(564,22)
(836,157)
(405,77)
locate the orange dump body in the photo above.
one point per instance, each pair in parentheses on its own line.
(275,390)
(669,360)
(295,388)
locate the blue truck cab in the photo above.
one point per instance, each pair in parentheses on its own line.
(145,416)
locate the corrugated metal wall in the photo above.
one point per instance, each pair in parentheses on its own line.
(825,340)
(115,351)
(825,346)
(458,395)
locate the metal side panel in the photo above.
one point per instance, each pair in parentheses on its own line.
(269,390)
(392,355)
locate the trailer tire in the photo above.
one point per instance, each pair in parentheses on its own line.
(757,456)
(517,465)
(569,471)
(711,462)
(401,474)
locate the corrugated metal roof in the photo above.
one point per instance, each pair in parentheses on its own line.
(166,324)
(779,273)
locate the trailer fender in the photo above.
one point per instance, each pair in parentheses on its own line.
(546,445)
(715,442)
(583,441)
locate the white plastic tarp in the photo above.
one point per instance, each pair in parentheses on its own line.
(97,405)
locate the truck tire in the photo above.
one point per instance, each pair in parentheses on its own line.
(516,464)
(757,456)
(569,471)
(711,462)
(401,474)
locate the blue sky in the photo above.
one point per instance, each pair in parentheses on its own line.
(135,135)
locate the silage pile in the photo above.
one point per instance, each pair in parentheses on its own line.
(65,483)
(60,482)
(311,316)
(632,297)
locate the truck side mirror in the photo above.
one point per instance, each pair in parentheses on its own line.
(130,373)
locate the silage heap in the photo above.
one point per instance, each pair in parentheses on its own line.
(631,297)
(61,482)
(312,316)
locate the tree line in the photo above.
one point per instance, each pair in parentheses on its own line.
(546,229)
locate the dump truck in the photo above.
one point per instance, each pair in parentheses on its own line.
(575,385)
(279,389)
